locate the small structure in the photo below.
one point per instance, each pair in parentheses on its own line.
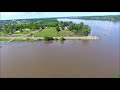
(46,27)
(66,28)
(27,29)
(17,31)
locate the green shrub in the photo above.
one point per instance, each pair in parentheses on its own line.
(55,39)
(48,38)
(62,38)
(31,34)
(39,39)
(27,39)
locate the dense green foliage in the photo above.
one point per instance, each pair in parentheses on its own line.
(55,39)
(48,38)
(46,27)
(57,28)
(80,29)
(61,38)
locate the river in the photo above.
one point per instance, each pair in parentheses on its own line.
(65,59)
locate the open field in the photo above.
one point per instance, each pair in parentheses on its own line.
(47,32)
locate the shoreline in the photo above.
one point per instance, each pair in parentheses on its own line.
(12,39)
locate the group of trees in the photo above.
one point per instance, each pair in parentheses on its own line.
(78,29)
(11,28)
(110,17)
(51,38)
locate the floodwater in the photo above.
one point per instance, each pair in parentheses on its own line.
(65,59)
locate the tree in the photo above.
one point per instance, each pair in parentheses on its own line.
(57,28)
(21,30)
(48,38)
(71,27)
(62,38)
(86,30)
(42,27)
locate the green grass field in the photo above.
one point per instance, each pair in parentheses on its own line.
(51,32)
(66,33)
(47,32)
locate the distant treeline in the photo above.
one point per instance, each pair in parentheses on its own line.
(109,18)
(19,21)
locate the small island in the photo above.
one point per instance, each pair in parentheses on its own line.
(45,29)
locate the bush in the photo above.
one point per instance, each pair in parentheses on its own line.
(57,28)
(39,39)
(31,34)
(62,38)
(55,39)
(28,39)
(48,38)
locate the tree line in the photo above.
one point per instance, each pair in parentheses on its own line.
(107,17)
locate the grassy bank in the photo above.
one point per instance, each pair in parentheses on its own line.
(5,39)
(42,38)
(23,40)
(20,39)
(117,76)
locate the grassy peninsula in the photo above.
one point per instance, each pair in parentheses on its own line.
(39,30)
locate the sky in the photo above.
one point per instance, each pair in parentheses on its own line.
(27,15)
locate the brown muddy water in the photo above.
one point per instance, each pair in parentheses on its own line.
(65,59)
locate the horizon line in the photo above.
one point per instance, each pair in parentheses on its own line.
(57,17)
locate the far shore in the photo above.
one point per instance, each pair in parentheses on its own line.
(10,39)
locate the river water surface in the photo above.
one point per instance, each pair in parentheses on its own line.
(70,58)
